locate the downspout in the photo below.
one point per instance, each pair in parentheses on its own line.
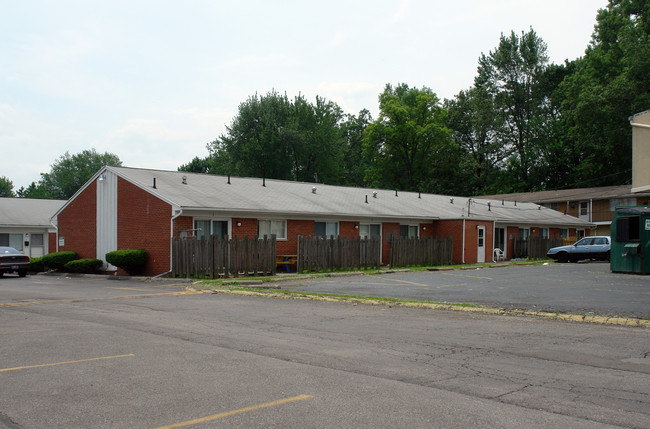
(171,236)
(494,230)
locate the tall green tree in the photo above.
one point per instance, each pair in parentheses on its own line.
(472,118)
(408,144)
(275,137)
(6,187)
(510,75)
(611,82)
(69,173)
(354,163)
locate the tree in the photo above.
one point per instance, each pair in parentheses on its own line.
(610,83)
(354,163)
(407,145)
(69,173)
(509,75)
(473,121)
(275,137)
(6,187)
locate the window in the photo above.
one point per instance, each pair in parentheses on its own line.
(12,240)
(205,228)
(543,232)
(564,233)
(585,242)
(580,233)
(500,238)
(410,231)
(524,233)
(553,206)
(326,229)
(583,211)
(270,227)
(37,239)
(369,230)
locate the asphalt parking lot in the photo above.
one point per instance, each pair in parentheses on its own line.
(586,288)
(90,352)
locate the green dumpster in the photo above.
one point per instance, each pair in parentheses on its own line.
(630,252)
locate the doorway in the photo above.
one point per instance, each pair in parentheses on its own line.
(480,248)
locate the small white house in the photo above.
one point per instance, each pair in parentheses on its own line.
(25,225)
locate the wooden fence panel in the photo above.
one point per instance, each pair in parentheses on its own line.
(535,247)
(337,253)
(215,257)
(424,251)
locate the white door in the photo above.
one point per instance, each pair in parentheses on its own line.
(480,248)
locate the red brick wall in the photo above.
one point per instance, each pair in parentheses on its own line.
(51,242)
(248,227)
(183,223)
(512,232)
(451,228)
(349,229)
(143,222)
(78,224)
(426,230)
(387,230)
(471,241)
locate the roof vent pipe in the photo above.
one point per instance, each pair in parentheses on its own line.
(515,203)
(489,206)
(264,181)
(451,200)
(419,194)
(184,180)
(154,183)
(366,199)
(313,189)
(229,179)
(502,202)
(374,194)
(396,193)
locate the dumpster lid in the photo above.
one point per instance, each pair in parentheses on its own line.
(633,210)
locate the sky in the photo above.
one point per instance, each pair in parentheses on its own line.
(154,82)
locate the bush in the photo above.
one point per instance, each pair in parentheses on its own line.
(87,266)
(130,260)
(36,265)
(57,260)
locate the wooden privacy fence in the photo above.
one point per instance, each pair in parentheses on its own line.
(535,247)
(422,251)
(337,253)
(215,257)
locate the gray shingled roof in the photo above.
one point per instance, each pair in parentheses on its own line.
(287,199)
(576,194)
(23,212)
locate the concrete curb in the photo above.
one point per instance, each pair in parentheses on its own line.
(619,321)
(116,277)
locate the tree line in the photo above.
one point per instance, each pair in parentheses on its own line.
(524,125)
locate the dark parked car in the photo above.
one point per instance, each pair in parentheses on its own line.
(12,261)
(597,247)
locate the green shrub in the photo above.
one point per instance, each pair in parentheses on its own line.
(86,266)
(130,260)
(57,260)
(36,265)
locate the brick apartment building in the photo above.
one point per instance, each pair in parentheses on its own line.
(123,207)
